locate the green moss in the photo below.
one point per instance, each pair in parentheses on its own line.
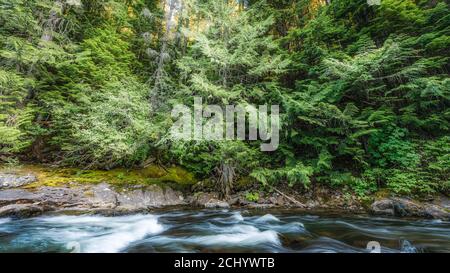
(206,185)
(153,171)
(53,177)
(179,175)
(197,194)
(382,193)
(244,183)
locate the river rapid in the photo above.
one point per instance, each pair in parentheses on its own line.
(183,230)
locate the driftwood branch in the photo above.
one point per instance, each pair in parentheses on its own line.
(290,198)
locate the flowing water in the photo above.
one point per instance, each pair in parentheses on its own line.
(222,231)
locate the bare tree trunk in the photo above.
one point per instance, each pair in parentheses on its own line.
(224,69)
(226,178)
(180,25)
(185,39)
(155,92)
(52,22)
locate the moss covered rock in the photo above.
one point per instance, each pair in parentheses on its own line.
(154,174)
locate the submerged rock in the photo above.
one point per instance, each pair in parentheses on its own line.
(13,180)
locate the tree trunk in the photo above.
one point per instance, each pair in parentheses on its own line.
(226,176)
(155,92)
(51,23)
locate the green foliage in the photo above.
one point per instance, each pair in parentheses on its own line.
(364,90)
(15,118)
(115,130)
(389,148)
(252,196)
(367,96)
(407,183)
(298,174)
(233,52)
(202,157)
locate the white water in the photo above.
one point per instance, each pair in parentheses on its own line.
(4,220)
(98,234)
(242,235)
(238,217)
(267,218)
(220,231)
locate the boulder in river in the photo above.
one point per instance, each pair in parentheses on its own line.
(402,207)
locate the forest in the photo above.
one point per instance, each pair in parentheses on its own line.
(363,88)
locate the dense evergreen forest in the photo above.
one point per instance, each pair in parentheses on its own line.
(363,89)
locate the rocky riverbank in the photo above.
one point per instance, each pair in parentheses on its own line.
(19,200)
